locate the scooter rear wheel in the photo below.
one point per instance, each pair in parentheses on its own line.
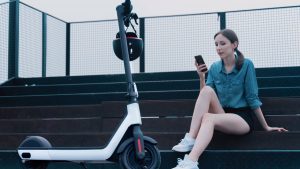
(152,158)
(36,164)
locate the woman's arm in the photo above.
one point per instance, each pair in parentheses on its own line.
(261,118)
(201,74)
(251,93)
(202,82)
(263,122)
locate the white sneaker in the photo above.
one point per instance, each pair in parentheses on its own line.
(185,145)
(186,163)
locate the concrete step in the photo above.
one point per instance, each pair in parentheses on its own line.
(182,75)
(260,159)
(187,84)
(45,112)
(96,98)
(52,125)
(256,140)
(149,108)
(99,124)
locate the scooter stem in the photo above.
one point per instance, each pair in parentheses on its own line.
(122,11)
(131,89)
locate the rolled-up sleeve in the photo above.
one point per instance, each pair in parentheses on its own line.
(251,87)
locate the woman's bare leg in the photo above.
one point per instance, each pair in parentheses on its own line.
(226,123)
(207,101)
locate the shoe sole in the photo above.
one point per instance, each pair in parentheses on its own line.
(181,151)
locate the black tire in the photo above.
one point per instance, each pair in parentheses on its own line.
(152,158)
(35,164)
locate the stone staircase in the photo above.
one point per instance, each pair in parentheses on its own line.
(83,111)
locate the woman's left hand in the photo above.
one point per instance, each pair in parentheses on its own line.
(279,129)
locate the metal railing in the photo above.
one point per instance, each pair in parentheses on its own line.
(36,44)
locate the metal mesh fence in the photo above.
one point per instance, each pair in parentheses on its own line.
(30,43)
(92,51)
(271,38)
(56,47)
(4,18)
(172,42)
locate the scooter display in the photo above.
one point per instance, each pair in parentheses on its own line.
(128,145)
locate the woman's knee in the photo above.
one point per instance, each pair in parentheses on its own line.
(207,118)
(207,90)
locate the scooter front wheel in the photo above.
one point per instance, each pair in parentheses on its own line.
(152,158)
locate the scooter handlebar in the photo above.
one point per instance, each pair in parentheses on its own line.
(127,7)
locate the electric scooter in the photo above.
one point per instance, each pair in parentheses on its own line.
(128,145)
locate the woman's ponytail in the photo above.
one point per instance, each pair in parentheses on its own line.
(240,59)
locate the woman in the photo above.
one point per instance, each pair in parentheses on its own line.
(231,86)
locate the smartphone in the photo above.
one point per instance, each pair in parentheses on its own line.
(200,61)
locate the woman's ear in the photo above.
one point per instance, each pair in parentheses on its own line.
(235,44)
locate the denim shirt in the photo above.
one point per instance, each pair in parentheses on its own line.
(235,89)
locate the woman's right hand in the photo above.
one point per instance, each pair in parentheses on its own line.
(200,70)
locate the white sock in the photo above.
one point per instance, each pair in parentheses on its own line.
(187,158)
(188,137)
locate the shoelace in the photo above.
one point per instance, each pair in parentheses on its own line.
(181,162)
(183,141)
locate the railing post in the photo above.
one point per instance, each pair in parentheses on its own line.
(13,39)
(222,17)
(142,36)
(44,44)
(68,47)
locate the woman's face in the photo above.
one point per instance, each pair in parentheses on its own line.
(224,47)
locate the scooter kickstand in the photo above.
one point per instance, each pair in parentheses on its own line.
(83,165)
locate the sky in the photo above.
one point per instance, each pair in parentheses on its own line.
(89,10)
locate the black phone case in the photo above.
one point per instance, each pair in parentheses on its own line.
(200,61)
